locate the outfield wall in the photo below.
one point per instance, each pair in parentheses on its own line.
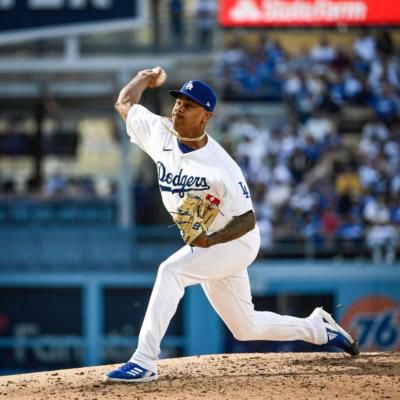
(60,320)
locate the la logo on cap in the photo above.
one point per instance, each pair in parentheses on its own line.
(197,91)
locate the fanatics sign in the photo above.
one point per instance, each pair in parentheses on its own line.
(259,13)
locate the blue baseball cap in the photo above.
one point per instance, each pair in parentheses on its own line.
(199,92)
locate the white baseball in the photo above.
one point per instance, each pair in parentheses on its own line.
(162,76)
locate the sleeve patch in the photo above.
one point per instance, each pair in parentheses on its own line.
(245,191)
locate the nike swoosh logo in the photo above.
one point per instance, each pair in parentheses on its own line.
(165,149)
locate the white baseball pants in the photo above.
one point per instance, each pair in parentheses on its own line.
(222,272)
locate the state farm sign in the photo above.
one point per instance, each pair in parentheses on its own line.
(308,12)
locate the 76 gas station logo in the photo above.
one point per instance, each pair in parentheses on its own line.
(375,321)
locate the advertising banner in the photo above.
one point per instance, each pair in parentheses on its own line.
(287,13)
(44,19)
(375,321)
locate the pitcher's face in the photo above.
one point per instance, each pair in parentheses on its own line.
(189,118)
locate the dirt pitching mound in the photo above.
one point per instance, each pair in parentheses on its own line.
(235,376)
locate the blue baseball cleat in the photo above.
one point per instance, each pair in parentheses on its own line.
(337,336)
(130,373)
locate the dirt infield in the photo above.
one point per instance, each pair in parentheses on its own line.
(235,376)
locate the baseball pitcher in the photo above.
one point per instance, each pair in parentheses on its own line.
(206,194)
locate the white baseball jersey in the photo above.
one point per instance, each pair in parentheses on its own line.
(220,269)
(208,170)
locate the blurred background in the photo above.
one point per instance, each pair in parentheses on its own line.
(309,106)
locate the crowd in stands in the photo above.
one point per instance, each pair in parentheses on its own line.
(57,185)
(323,77)
(310,181)
(203,20)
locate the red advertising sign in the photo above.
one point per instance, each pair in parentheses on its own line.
(258,13)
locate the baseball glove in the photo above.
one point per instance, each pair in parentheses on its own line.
(194,215)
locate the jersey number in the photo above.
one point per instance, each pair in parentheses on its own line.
(244,189)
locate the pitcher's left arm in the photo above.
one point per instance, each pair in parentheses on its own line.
(234,229)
